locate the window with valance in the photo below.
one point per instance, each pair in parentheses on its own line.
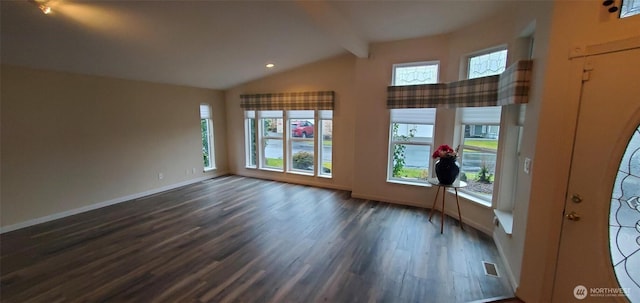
(289,132)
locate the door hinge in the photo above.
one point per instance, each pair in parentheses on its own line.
(586,71)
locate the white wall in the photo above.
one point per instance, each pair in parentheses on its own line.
(71,141)
(335,74)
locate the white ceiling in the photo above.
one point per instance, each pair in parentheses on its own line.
(214,44)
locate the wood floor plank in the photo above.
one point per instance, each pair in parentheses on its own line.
(238,239)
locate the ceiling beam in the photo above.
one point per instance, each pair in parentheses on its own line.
(340,29)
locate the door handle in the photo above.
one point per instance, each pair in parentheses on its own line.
(573,216)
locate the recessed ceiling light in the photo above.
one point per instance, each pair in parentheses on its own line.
(43,5)
(270,65)
(45,9)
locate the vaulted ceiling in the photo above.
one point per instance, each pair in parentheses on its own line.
(214,44)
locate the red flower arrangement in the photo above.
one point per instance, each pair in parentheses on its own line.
(445,151)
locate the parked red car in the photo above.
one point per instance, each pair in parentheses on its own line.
(302,129)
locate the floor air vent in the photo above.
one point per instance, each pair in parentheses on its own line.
(490,269)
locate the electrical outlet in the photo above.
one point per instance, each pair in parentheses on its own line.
(527,165)
(160,176)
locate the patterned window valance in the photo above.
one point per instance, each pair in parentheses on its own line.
(514,83)
(510,87)
(288,101)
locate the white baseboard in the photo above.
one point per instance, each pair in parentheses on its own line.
(507,267)
(466,221)
(75,211)
(303,180)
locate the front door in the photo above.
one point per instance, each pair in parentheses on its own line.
(599,256)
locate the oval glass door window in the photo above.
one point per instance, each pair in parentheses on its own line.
(624,221)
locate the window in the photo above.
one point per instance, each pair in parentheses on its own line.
(624,219)
(411,143)
(479,148)
(271,139)
(415,73)
(301,141)
(301,156)
(411,129)
(629,8)
(206,127)
(489,64)
(325,140)
(251,139)
(480,130)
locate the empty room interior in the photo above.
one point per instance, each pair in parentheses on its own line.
(290,151)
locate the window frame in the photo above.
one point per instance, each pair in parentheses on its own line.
(392,145)
(481,53)
(208,122)
(470,147)
(251,139)
(393,142)
(291,140)
(415,64)
(262,141)
(287,140)
(320,118)
(478,197)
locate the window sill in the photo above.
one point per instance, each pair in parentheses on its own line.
(325,176)
(272,169)
(409,183)
(206,170)
(472,198)
(294,172)
(506,220)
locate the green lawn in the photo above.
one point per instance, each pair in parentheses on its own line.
(272,162)
(413,173)
(474,176)
(490,144)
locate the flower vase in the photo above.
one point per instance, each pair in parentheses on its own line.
(447,170)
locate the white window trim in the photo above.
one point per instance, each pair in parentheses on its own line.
(412,64)
(262,164)
(247,139)
(287,140)
(483,52)
(212,155)
(470,195)
(479,198)
(291,139)
(210,136)
(320,148)
(393,143)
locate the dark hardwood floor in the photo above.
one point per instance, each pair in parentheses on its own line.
(237,239)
